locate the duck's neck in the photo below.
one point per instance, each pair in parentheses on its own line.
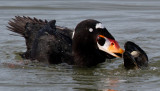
(88,58)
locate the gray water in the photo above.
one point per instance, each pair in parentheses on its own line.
(126,20)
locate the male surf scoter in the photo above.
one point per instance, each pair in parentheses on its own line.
(90,43)
(134,57)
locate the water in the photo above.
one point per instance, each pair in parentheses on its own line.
(137,21)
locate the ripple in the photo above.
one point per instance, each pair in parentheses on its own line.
(136,21)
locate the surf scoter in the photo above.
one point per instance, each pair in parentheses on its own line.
(88,45)
(92,43)
(134,57)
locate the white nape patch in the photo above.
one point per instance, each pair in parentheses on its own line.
(135,53)
(73,34)
(99,25)
(90,30)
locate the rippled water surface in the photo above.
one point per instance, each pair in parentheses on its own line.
(136,20)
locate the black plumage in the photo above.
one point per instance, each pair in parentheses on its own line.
(134,56)
(85,49)
(52,44)
(45,41)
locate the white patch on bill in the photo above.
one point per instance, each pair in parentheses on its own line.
(99,25)
(90,30)
(105,48)
(73,34)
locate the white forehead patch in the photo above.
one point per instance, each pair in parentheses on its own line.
(73,34)
(99,25)
(90,30)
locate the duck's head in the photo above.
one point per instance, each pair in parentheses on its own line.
(134,57)
(92,43)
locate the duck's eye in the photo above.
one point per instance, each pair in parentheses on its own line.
(101,41)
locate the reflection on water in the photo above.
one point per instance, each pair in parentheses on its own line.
(137,21)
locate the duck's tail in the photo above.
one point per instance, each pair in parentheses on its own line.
(27,27)
(18,24)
